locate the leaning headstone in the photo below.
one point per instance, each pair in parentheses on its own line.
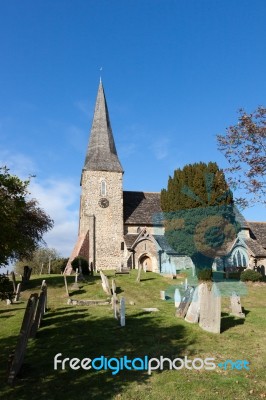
(40,310)
(14,281)
(210,308)
(17,295)
(114,303)
(177,298)
(236,309)
(65,280)
(113,286)
(23,338)
(185,302)
(139,273)
(193,311)
(122,312)
(105,283)
(8,302)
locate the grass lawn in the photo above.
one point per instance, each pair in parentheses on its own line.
(82,331)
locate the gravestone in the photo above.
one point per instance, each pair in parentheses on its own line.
(162,294)
(113,286)
(105,284)
(17,295)
(139,273)
(185,302)
(23,338)
(40,310)
(80,275)
(236,309)
(210,308)
(115,305)
(177,297)
(44,289)
(14,281)
(122,312)
(65,280)
(75,285)
(193,311)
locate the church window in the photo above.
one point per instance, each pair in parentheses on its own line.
(240,258)
(103,188)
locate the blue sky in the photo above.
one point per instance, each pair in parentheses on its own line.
(174,72)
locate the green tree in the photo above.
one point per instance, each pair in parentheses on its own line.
(39,261)
(23,223)
(244,146)
(199,213)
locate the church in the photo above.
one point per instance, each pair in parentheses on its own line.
(124,229)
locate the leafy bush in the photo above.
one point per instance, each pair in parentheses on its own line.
(81,262)
(58,266)
(204,274)
(6,288)
(250,275)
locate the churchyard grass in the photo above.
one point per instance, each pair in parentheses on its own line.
(92,331)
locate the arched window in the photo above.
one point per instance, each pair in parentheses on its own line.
(103,188)
(240,258)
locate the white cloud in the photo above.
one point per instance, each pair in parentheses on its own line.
(18,163)
(59,198)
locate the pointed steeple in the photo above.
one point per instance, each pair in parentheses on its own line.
(101,154)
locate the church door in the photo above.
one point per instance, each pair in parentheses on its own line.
(146,263)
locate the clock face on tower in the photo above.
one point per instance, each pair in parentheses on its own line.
(103,203)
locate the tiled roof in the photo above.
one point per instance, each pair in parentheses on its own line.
(255,247)
(130,238)
(164,245)
(101,154)
(142,208)
(259,231)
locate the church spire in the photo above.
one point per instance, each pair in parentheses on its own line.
(101,154)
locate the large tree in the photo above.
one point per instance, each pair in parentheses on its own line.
(43,259)
(23,222)
(244,146)
(198,211)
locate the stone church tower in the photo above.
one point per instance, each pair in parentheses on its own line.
(100,237)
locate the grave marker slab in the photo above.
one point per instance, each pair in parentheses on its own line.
(122,312)
(14,281)
(236,309)
(23,338)
(17,295)
(193,311)
(185,302)
(177,297)
(210,308)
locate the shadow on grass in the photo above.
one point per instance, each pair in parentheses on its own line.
(76,292)
(229,321)
(82,333)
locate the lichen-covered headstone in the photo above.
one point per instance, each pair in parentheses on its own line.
(210,308)
(185,302)
(236,309)
(193,311)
